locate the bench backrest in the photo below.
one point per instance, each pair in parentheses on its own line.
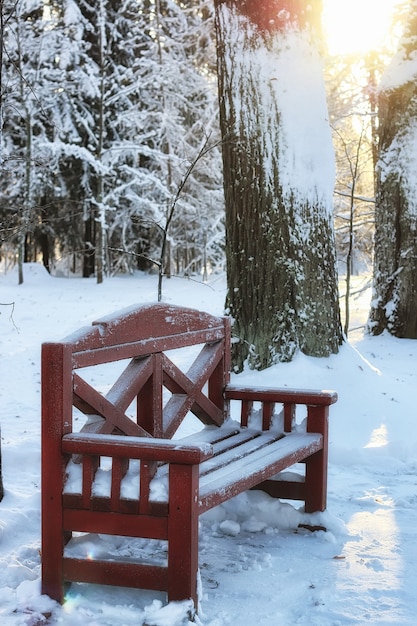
(163,393)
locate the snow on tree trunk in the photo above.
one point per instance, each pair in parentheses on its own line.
(278,182)
(394,303)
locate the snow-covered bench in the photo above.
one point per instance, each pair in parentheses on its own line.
(105,472)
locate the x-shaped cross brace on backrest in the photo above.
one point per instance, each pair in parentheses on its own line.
(144,379)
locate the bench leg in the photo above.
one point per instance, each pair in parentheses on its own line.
(53,537)
(183,533)
(52,553)
(316,465)
(316,483)
(56,421)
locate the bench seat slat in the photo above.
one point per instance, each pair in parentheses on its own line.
(218,438)
(241,459)
(212,435)
(242,474)
(226,439)
(233,444)
(240,446)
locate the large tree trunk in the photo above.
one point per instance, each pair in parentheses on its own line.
(278,180)
(394,302)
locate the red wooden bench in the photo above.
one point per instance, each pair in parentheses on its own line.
(87,427)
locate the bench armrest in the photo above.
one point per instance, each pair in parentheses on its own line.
(317,403)
(287,396)
(144,448)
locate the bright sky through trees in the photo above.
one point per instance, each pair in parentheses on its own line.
(357,26)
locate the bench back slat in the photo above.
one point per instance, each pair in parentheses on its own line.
(107,353)
(143,335)
(142,330)
(130,382)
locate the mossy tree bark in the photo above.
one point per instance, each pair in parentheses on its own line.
(281,269)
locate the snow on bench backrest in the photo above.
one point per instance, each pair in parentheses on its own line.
(163,393)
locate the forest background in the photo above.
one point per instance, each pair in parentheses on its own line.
(110,141)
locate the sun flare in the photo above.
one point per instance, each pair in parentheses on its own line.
(357,26)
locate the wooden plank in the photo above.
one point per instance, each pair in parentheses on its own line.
(102,504)
(164,450)
(212,434)
(316,467)
(205,363)
(268,394)
(144,322)
(149,403)
(218,438)
(183,532)
(118,471)
(179,383)
(150,399)
(289,417)
(130,382)
(220,377)
(101,406)
(245,412)
(175,410)
(267,412)
(90,465)
(235,439)
(283,489)
(245,473)
(103,353)
(229,437)
(248,459)
(147,472)
(242,447)
(56,420)
(154,320)
(111,523)
(122,574)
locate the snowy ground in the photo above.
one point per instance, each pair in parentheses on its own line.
(363,570)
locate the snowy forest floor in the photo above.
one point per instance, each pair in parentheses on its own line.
(256,566)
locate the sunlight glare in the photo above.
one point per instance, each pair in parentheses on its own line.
(356,26)
(373,557)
